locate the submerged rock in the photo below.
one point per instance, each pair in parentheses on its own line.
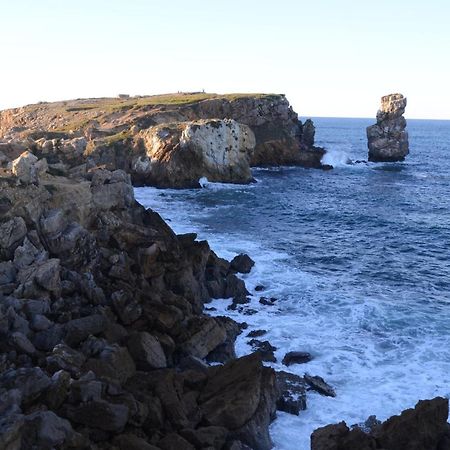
(388,138)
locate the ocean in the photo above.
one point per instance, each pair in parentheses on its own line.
(359,260)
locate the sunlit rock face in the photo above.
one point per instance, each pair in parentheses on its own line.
(179,154)
(388,138)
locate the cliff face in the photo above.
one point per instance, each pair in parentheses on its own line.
(102,333)
(114,131)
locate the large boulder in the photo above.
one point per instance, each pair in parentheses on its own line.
(388,138)
(179,154)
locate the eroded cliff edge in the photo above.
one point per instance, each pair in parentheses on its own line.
(156,139)
(102,334)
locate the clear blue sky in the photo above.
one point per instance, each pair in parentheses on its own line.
(331,58)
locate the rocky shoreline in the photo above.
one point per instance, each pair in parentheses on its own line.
(164,141)
(104,340)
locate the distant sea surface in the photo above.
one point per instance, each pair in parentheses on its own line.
(359,260)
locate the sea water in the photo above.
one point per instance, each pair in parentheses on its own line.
(359,261)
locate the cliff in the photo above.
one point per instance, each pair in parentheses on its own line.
(102,334)
(113,133)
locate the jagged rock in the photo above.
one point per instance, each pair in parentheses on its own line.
(205,334)
(296,358)
(65,358)
(265,349)
(242,263)
(415,429)
(31,382)
(318,384)
(292,393)
(114,362)
(79,329)
(388,138)
(241,397)
(12,233)
(146,351)
(46,430)
(179,154)
(308,134)
(424,427)
(100,414)
(21,343)
(23,167)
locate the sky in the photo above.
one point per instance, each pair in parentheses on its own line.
(332,58)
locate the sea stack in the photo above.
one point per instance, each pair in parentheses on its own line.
(388,138)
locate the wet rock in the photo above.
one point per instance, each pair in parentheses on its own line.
(318,384)
(242,263)
(296,358)
(267,301)
(265,349)
(259,288)
(292,393)
(146,351)
(336,437)
(99,414)
(256,333)
(388,138)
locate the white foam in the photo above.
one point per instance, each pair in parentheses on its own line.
(368,348)
(336,158)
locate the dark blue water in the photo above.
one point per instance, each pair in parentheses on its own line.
(359,259)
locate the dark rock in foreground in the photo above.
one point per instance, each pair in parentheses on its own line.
(423,428)
(102,335)
(388,138)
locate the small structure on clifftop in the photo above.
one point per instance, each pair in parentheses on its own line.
(388,138)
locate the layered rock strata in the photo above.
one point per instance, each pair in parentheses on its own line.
(102,335)
(388,138)
(118,134)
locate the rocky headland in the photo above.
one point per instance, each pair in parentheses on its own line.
(388,138)
(165,141)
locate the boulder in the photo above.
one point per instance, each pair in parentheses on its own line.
(24,167)
(146,351)
(318,384)
(242,263)
(388,138)
(296,358)
(12,232)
